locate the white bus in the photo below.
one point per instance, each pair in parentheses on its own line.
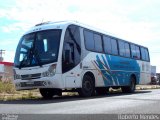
(62,56)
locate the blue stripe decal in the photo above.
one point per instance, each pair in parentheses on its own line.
(107,63)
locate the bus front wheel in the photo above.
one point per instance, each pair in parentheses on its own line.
(46,93)
(131,88)
(88,87)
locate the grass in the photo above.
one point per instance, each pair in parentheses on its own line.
(145,87)
(8,91)
(7,87)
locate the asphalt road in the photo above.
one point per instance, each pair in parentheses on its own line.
(141,102)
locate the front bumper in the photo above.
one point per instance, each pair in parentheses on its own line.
(44,82)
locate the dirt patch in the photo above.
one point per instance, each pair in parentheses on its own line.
(145,87)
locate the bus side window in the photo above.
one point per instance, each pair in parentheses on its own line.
(147,55)
(71,54)
(121,48)
(127,50)
(137,52)
(133,51)
(143,53)
(107,44)
(89,40)
(98,43)
(114,46)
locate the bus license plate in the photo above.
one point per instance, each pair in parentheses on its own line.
(30,83)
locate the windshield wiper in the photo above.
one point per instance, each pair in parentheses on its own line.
(24,60)
(29,57)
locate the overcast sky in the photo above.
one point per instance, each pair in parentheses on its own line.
(137,21)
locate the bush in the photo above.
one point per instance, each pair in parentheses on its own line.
(7,87)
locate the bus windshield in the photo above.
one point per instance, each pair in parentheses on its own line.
(38,48)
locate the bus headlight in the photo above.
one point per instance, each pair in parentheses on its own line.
(51,71)
(16,76)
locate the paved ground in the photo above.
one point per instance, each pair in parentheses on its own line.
(143,101)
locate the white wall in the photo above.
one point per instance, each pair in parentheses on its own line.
(1,68)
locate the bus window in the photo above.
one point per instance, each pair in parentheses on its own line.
(137,52)
(121,48)
(71,48)
(107,45)
(143,53)
(133,51)
(114,47)
(124,49)
(98,43)
(89,40)
(127,50)
(147,55)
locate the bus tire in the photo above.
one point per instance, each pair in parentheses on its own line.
(102,90)
(88,87)
(131,88)
(46,93)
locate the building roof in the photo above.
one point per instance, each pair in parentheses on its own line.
(7,63)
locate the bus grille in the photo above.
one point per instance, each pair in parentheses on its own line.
(31,76)
(34,84)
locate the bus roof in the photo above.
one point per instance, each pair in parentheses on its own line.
(64,24)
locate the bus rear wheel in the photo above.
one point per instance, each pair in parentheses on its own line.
(131,88)
(88,87)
